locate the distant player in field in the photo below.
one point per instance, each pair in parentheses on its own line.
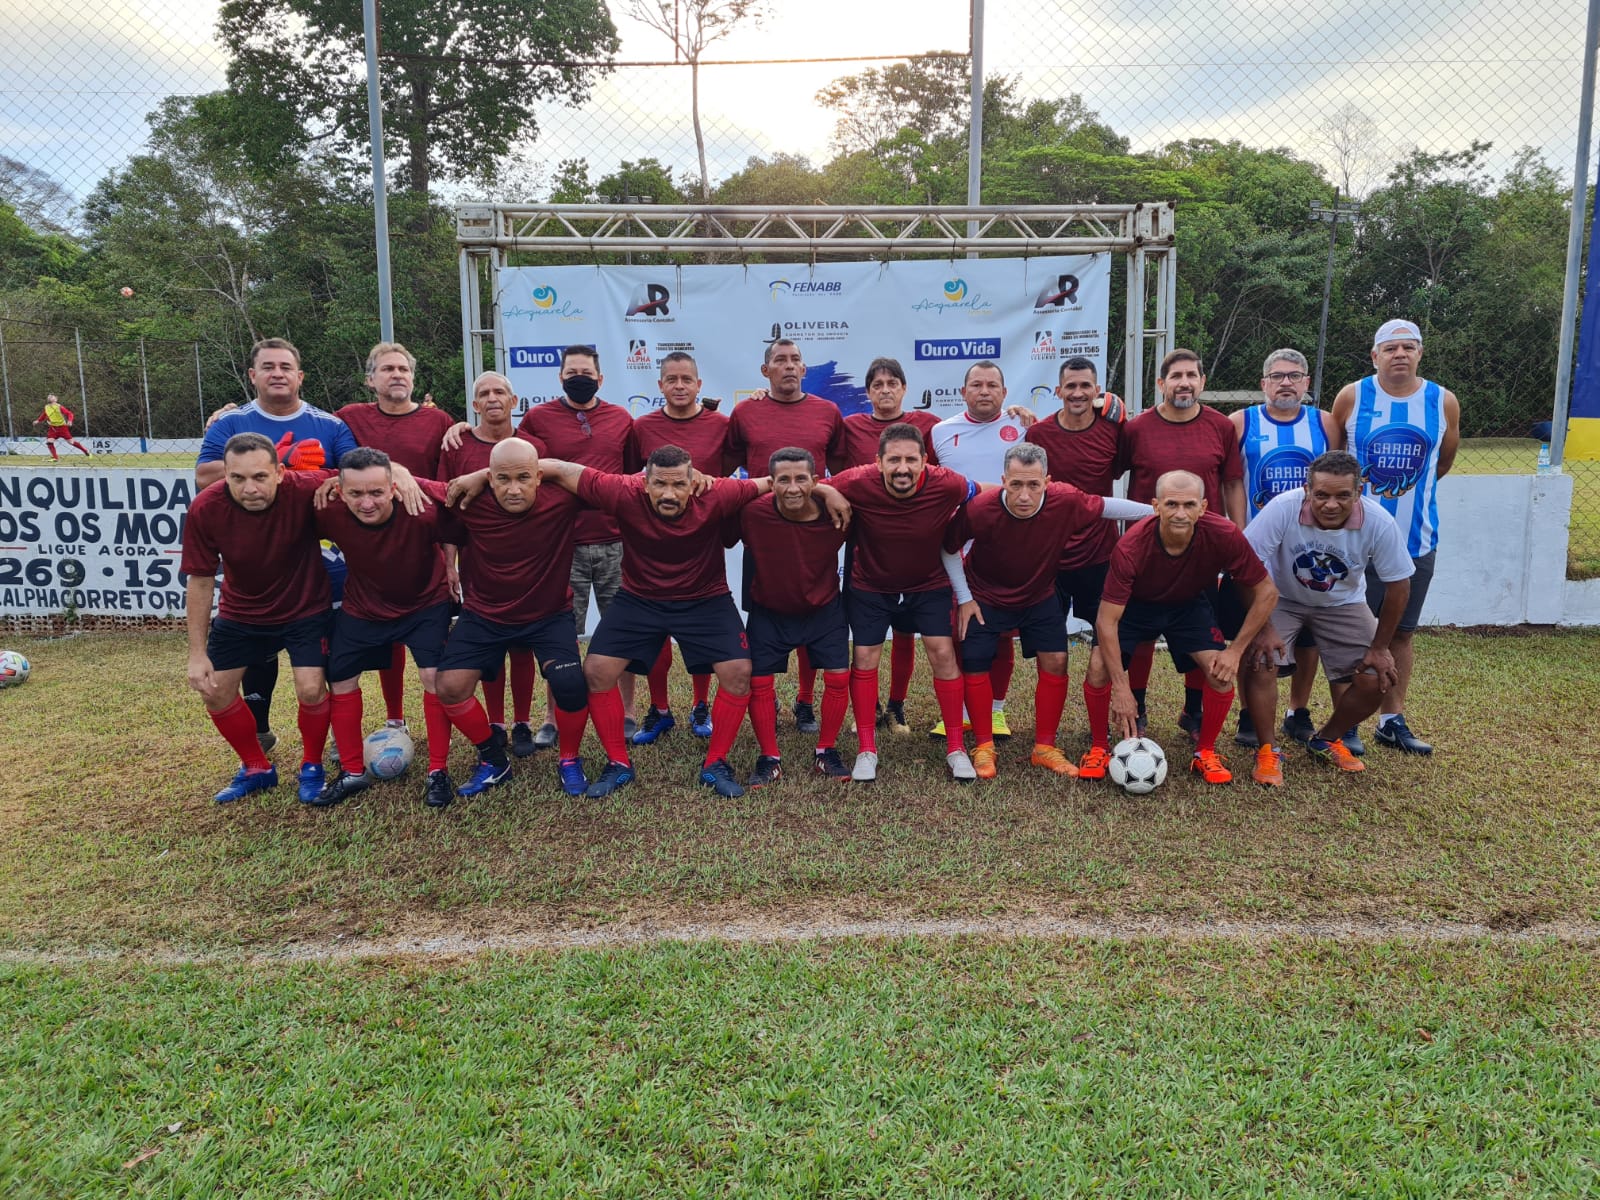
(1161,573)
(1317,542)
(57,420)
(682,421)
(1404,430)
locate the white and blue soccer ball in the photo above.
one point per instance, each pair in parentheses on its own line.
(1138,766)
(14,669)
(388,753)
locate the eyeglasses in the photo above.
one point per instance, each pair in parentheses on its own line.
(583,421)
(1286,376)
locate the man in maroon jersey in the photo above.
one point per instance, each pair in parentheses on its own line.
(395,596)
(1157,586)
(1008,582)
(522,534)
(257,522)
(681,421)
(901,506)
(794,604)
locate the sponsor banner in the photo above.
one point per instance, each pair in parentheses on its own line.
(937,318)
(35,447)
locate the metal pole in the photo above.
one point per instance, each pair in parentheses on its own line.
(1580,209)
(144,372)
(5,386)
(199,388)
(1327,296)
(975,132)
(380,199)
(83,389)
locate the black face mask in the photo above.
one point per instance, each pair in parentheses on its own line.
(580,389)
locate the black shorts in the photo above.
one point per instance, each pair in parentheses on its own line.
(1078,590)
(873,614)
(1041,626)
(233,644)
(478,644)
(1229,608)
(1420,580)
(1187,627)
(359,645)
(707,630)
(773,635)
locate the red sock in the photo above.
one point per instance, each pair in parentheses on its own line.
(51,446)
(702,688)
(902,663)
(835,703)
(1139,667)
(1214,709)
(949,694)
(315,720)
(805,687)
(658,677)
(80,446)
(727,714)
(347,730)
(522,675)
(1049,699)
(438,726)
(1194,679)
(494,698)
(393,678)
(1001,670)
(1098,701)
(763,716)
(569,732)
(469,717)
(605,710)
(864,701)
(238,727)
(979,693)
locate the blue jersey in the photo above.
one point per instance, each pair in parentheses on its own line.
(1277,454)
(1396,439)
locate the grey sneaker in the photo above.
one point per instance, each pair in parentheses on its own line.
(397,723)
(866,768)
(960,766)
(629,728)
(546,738)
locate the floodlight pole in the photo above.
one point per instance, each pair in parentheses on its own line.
(1580,209)
(5,386)
(380,198)
(1331,214)
(975,126)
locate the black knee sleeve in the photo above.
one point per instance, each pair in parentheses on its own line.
(567,685)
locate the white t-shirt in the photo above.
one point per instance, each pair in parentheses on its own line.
(976,449)
(1326,568)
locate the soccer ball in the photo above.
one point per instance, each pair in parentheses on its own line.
(388,753)
(1138,766)
(13,669)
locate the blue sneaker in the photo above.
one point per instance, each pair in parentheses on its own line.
(486,776)
(616,775)
(245,782)
(570,772)
(656,722)
(718,776)
(700,720)
(313,778)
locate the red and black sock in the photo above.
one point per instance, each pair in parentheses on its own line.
(605,711)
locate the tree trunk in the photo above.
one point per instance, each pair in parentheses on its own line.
(699,135)
(417,137)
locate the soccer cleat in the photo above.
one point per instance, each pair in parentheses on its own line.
(866,768)
(1247,735)
(1093,764)
(805,718)
(569,771)
(1209,766)
(700,720)
(1297,725)
(312,779)
(267,738)
(983,761)
(616,775)
(629,727)
(768,770)
(546,738)
(341,789)
(245,782)
(998,722)
(1190,724)
(1051,759)
(656,722)
(1143,721)
(894,717)
(1268,771)
(485,776)
(961,768)
(1336,753)
(1397,735)
(718,776)
(397,723)
(829,765)
(440,790)
(1352,741)
(522,743)
(937,732)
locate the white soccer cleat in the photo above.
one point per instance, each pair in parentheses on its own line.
(866,768)
(961,769)
(397,723)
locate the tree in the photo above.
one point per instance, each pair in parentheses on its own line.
(461,78)
(691,26)
(928,93)
(645,178)
(36,197)
(1350,141)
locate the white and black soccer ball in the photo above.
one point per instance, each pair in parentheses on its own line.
(388,753)
(1138,766)
(14,669)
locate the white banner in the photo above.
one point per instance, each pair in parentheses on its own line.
(937,318)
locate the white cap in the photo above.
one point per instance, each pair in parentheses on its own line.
(1396,331)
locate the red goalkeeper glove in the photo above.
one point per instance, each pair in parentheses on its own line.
(301,456)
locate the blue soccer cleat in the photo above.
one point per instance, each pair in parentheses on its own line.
(570,772)
(313,778)
(485,777)
(718,776)
(616,775)
(245,782)
(700,720)
(656,722)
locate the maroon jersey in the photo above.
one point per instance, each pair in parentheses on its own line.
(412,440)
(759,427)
(396,568)
(600,437)
(862,431)
(662,559)
(272,569)
(704,436)
(473,455)
(1142,570)
(1088,460)
(1010,565)
(897,541)
(526,557)
(1207,445)
(794,565)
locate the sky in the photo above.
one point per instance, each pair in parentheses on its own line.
(78,76)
